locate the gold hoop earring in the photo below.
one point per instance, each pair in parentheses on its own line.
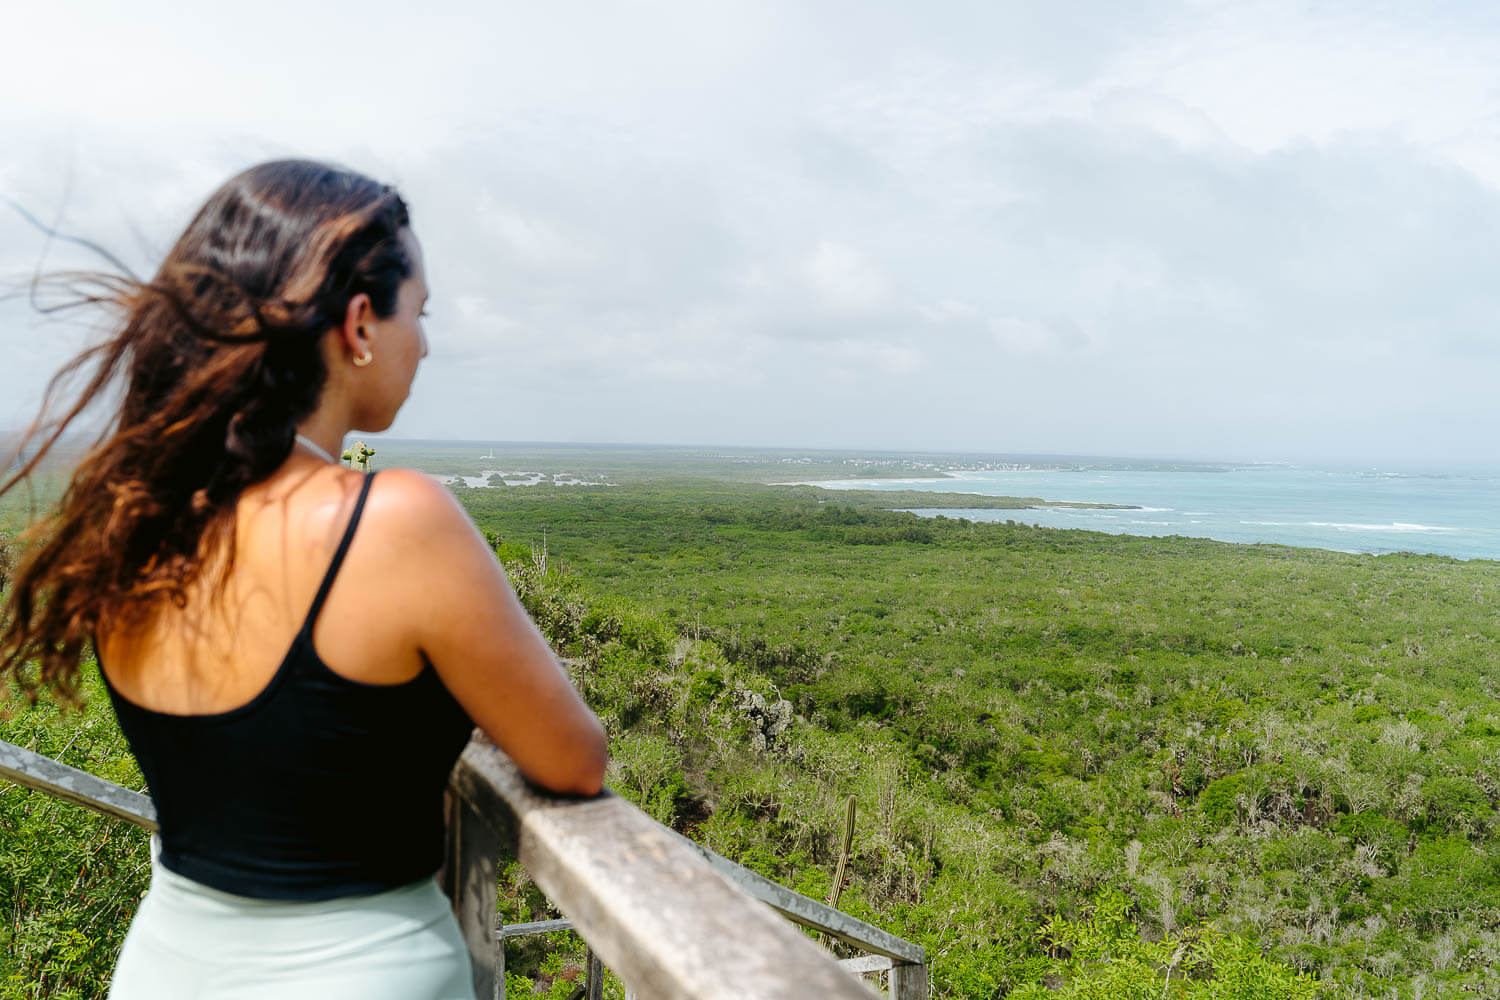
(361,360)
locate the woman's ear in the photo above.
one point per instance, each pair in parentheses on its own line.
(353,334)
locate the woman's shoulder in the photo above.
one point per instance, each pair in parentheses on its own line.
(398,490)
(404,508)
(405,503)
(420,560)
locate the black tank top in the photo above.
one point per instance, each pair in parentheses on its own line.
(318,787)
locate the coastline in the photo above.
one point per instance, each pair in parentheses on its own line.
(1344,511)
(897,499)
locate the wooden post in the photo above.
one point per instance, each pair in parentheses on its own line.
(908,982)
(471,882)
(499,993)
(594,984)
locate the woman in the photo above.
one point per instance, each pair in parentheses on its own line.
(296,651)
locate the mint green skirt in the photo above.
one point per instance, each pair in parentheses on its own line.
(190,941)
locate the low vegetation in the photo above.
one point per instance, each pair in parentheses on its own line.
(1295,748)
(1085,765)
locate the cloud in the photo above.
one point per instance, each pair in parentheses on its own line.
(1026,336)
(843,280)
(1215,229)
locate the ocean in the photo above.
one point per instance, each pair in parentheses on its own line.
(1379,512)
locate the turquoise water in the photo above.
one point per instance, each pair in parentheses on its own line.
(1455,515)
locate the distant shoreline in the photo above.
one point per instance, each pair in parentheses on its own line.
(943,500)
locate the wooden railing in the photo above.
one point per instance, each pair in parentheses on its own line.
(671,918)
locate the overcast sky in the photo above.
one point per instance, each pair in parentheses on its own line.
(1249,231)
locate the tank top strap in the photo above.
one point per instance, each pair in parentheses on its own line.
(338,556)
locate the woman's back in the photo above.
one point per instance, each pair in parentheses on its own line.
(221,649)
(418,586)
(316,785)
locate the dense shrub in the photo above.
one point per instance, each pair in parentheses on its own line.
(1100,956)
(1220,801)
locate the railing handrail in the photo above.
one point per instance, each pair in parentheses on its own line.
(38,771)
(809,912)
(671,917)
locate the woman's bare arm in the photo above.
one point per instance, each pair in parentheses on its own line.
(467,621)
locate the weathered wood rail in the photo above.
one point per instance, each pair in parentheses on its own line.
(672,919)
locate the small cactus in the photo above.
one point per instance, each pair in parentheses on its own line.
(358,456)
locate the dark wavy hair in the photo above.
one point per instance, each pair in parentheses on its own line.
(219,357)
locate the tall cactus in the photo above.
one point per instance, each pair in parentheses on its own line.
(840,873)
(836,890)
